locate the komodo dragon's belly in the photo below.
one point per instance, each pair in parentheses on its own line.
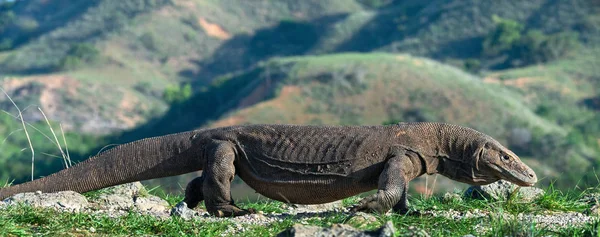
(311,169)
(307,190)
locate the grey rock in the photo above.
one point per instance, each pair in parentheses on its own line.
(182,210)
(386,230)
(317,208)
(360,219)
(129,189)
(114,202)
(501,190)
(590,198)
(415,231)
(62,201)
(451,197)
(337,230)
(151,204)
(594,210)
(131,196)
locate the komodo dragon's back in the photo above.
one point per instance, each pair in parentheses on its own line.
(308,145)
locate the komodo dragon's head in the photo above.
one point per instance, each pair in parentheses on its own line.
(499,162)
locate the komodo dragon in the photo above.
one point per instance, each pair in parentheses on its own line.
(298,164)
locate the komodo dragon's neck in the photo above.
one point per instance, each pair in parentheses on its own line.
(442,148)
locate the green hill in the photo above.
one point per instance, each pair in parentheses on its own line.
(114,71)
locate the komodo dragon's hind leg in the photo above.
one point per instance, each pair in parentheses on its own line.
(217,176)
(392,187)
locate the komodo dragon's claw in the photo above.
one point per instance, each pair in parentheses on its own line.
(232,211)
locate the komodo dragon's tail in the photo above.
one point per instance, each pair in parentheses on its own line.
(144,159)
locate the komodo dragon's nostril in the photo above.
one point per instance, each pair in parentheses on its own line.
(530,175)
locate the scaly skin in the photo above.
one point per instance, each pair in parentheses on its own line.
(298,164)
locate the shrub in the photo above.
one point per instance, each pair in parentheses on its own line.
(6,18)
(27,24)
(503,37)
(177,93)
(148,40)
(559,45)
(78,55)
(472,65)
(6,44)
(530,47)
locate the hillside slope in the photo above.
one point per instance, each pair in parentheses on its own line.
(122,69)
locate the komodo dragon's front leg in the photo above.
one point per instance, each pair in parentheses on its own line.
(193,192)
(392,186)
(215,184)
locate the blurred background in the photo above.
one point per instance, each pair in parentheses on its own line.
(108,72)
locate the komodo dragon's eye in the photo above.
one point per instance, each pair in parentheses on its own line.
(505,157)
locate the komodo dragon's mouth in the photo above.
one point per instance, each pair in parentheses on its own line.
(525,177)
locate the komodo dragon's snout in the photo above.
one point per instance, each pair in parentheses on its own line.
(506,165)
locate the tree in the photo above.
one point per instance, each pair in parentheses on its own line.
(502,38)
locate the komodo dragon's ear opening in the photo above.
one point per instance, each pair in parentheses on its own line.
(478,154)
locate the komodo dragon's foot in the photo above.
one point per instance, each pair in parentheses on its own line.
(370,204)
(230,211)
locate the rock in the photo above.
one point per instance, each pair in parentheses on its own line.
(594,210)
(114,202)
(62,201)
(337,230)
(501,190)
(415,231)
(590,198)
(451,197)
(129,189)
(152,204)
(182,210)
(317,208)
(361,219)
(131,196)
(386,230)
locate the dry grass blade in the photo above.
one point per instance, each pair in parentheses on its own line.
(25,130)
(64,156)
(66,146)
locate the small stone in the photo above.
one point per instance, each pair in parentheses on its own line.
(595,210)
(151,203)
(337,230)
(361,219)
(316,208)
(183,211)
(591,198)
(415,231)
(501,190)
(92,229)
(386,230)
(451,197)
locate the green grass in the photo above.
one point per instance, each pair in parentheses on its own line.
(25,220)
